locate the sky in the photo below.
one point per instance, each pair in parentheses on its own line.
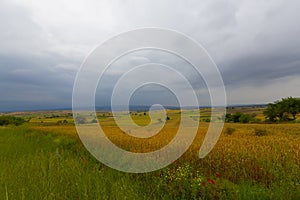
(255,44)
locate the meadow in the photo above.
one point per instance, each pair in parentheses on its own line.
(44,159)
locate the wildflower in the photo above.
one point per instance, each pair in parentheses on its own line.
(204,184)
(211,181)
(218,175)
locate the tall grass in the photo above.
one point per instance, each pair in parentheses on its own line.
(38,166)
(49,162)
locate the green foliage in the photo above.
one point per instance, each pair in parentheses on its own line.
(228,118)
(236,117)
(282,110)
(6,120)
(187,183)
(245,118)
(239,117)
(206,120)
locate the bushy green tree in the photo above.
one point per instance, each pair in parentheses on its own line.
(282,110)
(271,112)
(291,106)
(228,118)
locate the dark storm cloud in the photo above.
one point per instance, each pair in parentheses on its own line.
(255,44)
(33,75)
(29,83)
(41,83)
(263,50)
(261,69)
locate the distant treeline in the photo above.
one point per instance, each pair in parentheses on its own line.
(280,111)
(6,120)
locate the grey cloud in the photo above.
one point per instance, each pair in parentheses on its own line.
(261,69)
(255,44)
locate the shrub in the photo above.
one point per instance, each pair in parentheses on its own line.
(6,120)
(80,119)
(207,120)
(236,117)
(229,131)
(245,118)
(260,132)
(240,117)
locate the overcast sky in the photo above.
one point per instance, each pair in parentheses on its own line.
(255,44)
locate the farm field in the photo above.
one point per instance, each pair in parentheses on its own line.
(44,159)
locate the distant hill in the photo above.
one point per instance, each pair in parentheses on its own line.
(133,108)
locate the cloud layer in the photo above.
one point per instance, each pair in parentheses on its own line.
(255,44)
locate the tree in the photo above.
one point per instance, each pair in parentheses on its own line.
(228,118)
(271,112)
(292,106)
(281,110)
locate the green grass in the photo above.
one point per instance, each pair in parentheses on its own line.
(36,164)
(39,166)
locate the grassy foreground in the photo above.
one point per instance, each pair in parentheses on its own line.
(49,162)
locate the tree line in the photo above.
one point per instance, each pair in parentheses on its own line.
(280,111)
(6,120)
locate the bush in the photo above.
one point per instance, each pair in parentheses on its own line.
(236,117)
(260,132)
(240,117)
(6,120)
(229,131)
(205,120)
(80,119)
(245,118)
